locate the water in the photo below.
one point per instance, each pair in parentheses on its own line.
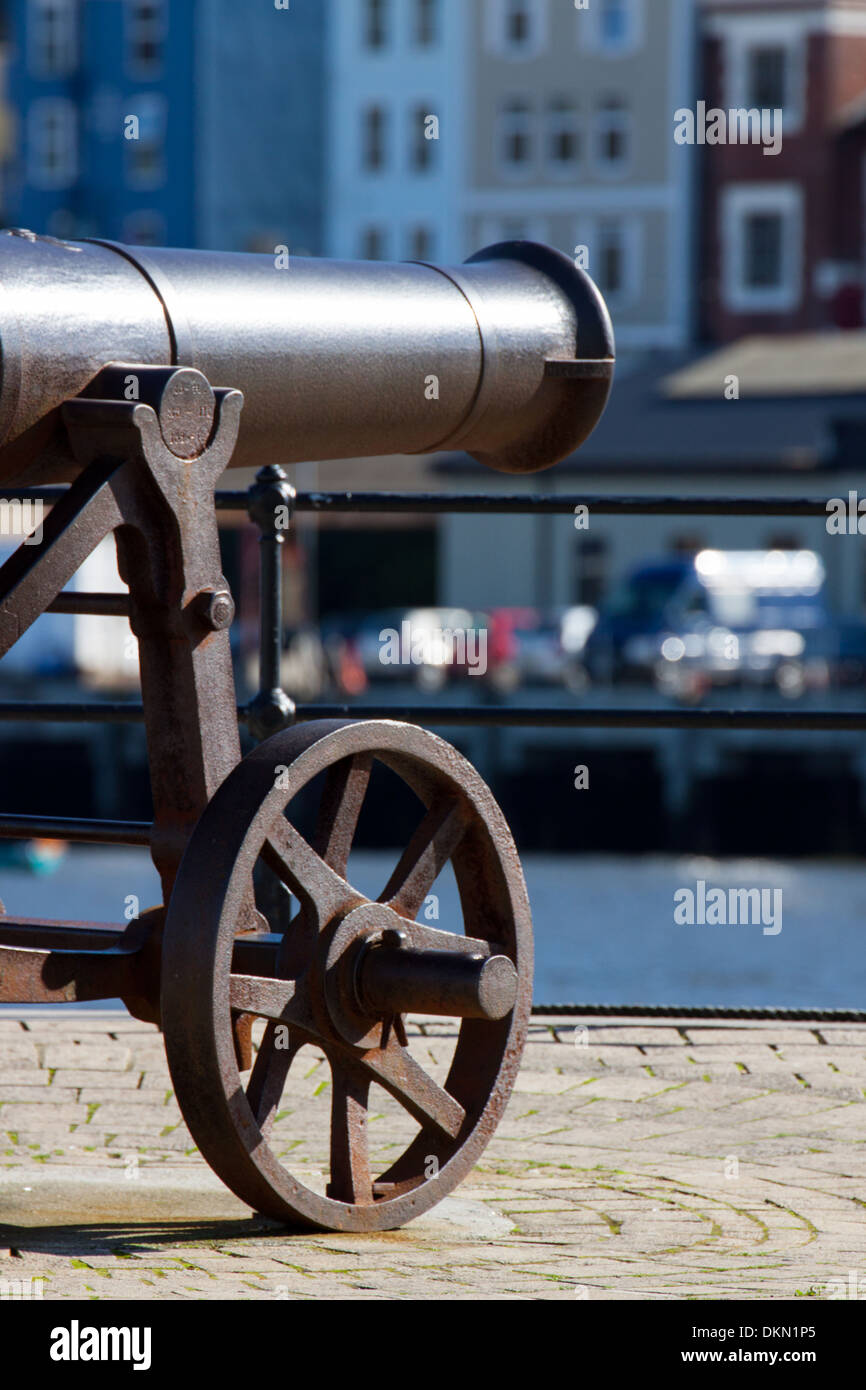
(604,925)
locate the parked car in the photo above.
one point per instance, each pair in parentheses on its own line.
(755,617)
(427,646)
(531,646)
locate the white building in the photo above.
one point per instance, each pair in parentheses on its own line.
(398,73)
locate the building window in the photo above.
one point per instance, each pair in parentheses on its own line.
(422,150)
(612,28)
(376,23)
(612,135)
(145,156)
(374,132)
(426,22)
(372,244)
(145,37)
(518,23)
(614,16)
(52,27)
(52,145)
(147,228)
(421,244)
(610,258)
(563,137)
(763,250)
(516,135)
(761,236)
(516,28)
(615,246)
(768,84)
(766,70)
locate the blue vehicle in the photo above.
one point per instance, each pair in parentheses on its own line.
(636,610)
(718,617)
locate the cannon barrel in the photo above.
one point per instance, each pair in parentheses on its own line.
(508,357)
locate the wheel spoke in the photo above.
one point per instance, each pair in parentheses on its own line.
(425,938)
(283,1001)
(339,809)
(426,854)
(268,1076)
(395,1068)
(350,1160)
(306,873)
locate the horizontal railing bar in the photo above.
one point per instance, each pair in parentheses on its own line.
(566,503)
(99,832)
(546,718)
(77,712)
(100,605)
(479,715)
(669,1011)
(605,504)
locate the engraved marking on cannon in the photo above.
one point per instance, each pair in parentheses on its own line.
(186,412)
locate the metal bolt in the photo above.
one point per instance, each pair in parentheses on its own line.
(216,608)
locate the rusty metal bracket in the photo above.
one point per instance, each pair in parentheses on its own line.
(151,443)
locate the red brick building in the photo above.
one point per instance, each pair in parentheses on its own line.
(783,236)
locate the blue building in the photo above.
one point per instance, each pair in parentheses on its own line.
(174,122)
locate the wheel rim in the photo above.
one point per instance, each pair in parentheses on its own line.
(202,990)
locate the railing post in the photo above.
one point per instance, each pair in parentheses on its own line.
(270,504)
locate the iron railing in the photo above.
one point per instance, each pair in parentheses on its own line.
(271,708)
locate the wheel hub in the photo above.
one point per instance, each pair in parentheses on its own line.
(376,969)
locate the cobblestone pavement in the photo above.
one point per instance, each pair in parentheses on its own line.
(636,1161)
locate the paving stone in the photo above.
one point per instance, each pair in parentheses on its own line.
(17,1116)
(799,1034)
(91,1079)
(10,1028)
(18,1055)
(615,1179)
(109,1056)
(35,1095)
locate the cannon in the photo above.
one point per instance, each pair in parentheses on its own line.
(137,376)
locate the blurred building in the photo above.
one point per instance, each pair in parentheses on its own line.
(398,128)
(103,100)
(569,141)
(455,125)
(784,234)
(179,122)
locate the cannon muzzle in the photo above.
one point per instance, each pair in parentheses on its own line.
(508,357)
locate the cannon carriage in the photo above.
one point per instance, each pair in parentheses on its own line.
(137,377)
